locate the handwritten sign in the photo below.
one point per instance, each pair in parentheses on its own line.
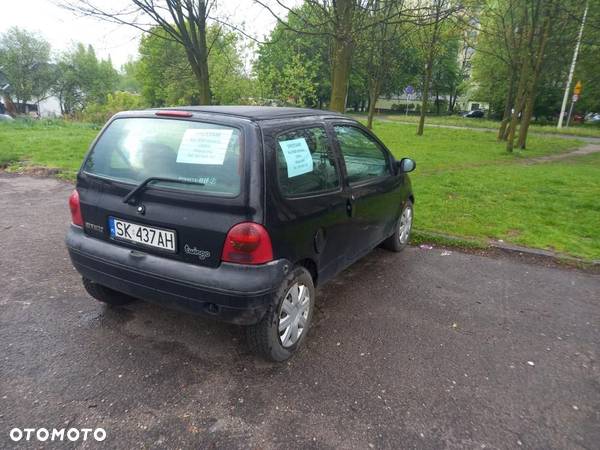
(297,156)
(204,146)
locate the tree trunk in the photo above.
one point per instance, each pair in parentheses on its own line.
(197,54)
(342,55)
(525,121)
(532,92)
(508,107)
(524,74)
(519,105)
(373,95)
(425,95)
(340,76)
(429,70)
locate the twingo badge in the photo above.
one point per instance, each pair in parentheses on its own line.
(201,254)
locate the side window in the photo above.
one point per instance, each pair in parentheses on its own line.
(305,163)
(363,156)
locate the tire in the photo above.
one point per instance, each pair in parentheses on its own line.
(106,295)
(265,338)
(399,240)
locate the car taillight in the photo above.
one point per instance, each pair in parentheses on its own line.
(75,207)
(247,243)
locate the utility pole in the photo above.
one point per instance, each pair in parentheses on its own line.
(572,69)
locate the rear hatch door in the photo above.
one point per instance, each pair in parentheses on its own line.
(187,218)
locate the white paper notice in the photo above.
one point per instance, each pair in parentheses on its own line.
(204,146)
(297,156)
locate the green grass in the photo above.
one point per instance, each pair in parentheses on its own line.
(442,148)
(465,184)
(458,121)
(52,144)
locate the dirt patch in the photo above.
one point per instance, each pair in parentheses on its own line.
(586,150)
(33,171)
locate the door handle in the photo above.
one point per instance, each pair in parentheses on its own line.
(349,207)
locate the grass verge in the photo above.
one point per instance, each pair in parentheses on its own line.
(458,121)
(52,144)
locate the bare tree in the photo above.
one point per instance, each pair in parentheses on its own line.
(379,39)
(184,21)
(428,39)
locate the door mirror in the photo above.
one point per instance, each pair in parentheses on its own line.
(406,165)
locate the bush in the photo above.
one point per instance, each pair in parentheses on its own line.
(116,102)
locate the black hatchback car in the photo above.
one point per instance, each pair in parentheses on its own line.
(234,212)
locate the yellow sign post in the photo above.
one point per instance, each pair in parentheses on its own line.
(577,88)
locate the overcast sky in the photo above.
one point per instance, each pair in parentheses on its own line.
(63,28)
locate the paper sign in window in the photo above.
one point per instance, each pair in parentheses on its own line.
(297,156)
(204,146)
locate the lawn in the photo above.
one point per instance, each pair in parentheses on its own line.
(465,184)
(54,144)
(458,121)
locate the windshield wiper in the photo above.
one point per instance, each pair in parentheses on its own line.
(140,187)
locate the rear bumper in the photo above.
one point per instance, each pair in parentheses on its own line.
(233,293)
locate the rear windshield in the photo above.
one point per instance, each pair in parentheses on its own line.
(204,154)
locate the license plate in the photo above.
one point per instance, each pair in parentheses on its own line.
(142,234)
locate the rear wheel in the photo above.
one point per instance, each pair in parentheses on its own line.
(106,295)
(285,325)
(399,240)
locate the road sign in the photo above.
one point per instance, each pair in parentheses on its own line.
(575,97)
(409,90)
(577,89)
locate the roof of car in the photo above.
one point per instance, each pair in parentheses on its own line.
(255,112)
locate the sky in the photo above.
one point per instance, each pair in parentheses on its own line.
(63,28)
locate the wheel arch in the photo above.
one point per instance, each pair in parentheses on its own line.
(311,266)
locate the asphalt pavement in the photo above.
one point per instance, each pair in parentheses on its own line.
(423,349)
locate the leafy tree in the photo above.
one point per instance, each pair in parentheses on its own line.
(166,77)
(115,102)
(521,64)
(342,23)
(127,79)
(83,79)
(284,46)
(25,60)
(279,59)
(587,67)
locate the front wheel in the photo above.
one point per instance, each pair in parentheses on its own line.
(399,240)
(285,325)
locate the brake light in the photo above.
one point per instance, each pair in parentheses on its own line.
(247,243)
(174,113)
(75,207)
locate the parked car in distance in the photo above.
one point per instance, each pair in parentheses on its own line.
(235,213)
(592,118)
(474,114)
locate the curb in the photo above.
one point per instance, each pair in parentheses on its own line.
(508,248)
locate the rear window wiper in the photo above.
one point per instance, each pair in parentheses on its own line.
(140,187)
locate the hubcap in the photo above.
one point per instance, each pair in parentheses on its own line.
(405,225)
(293,316)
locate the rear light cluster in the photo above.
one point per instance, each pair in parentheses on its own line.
(75,207)
(247,243)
